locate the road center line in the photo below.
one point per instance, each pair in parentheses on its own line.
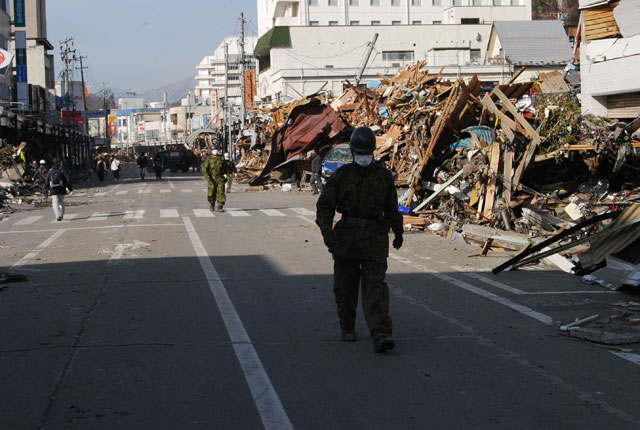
(44,245)
(629,356)
(479,291)
(264,394)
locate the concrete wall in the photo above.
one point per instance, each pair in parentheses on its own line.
(486,14)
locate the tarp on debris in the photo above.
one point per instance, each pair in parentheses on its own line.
(308,125)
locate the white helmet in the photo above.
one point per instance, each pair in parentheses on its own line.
(215,152)
(43,162)
(226,155)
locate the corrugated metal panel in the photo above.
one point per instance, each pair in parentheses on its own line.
(534,42)
(628,17)
(623,105)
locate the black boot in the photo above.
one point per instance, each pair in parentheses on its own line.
(383,343)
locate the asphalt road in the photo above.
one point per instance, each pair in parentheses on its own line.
(144,310)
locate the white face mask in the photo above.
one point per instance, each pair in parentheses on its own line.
(363,160)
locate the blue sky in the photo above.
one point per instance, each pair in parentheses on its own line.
(141,45)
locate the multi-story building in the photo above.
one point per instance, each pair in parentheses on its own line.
(5,35)
(294,13)
(212,84)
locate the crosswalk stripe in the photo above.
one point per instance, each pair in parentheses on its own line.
(98,217)
(78,195)
(29,220)
(138,214)
(144,191)
(121,193)
(187,190)
(67,218)
(237,212)
(272,212)
(165,191)
(101,194)
(169,213)
(203,213)
(303,211)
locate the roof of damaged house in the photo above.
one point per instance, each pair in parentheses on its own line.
(534,42)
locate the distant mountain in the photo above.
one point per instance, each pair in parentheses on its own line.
(175,91)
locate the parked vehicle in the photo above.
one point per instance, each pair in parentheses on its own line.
(337,156)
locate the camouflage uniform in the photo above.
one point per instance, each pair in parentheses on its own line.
(366,197)
(214,170)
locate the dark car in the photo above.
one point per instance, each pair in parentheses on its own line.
(337,156)
(179,160)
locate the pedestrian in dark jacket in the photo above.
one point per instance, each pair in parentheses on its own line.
(157,165)
(316,172)
(56,183)
(101,168)
(142,162)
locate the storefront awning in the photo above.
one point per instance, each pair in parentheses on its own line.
(277,36)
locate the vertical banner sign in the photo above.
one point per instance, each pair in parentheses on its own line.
(21,66)
(18,13)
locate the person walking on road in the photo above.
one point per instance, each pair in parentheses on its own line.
(115,168)
(316,172)
(56,184)
(231,169)
(364,193)
(157,165)
(214,170)
(101,168)
(142,162)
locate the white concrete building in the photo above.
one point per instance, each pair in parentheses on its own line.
(210,73)
(314,59)
(609,44)
(295,13)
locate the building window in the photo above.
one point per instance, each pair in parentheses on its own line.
(333,22)
(234,78)
(354,2)
(436,22)
(333,2)
(515,3)
(397,55)
(314,23)
(354,22)
(396,22)
(375,2)
(416,2)
(416,22)
(470,21)
(375,22)
(395,2)
(313,2)
(477,2)
(233,67)
(457,2)
(475,56)
(436,2)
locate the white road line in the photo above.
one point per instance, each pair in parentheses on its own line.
(204,190)
(473,289)
(102,227)
(272,212)
(187,190)
(29,220)
(171,184)
(44,245)
(492,282)
(169,213)
(144,191)
(98,217)
(237,212)
(77,194)
(100,194)
(117,253)
(303,211)
(67,218)
(310,221)
(121,193)
(137,214)
(164,191)
(203,213)
(629,356)
(270,408)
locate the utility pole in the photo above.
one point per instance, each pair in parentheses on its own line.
(366,59)
(65,54)
(242,83)
(84,90)
(226,85)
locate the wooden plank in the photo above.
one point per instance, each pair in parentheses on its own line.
(507,174)
(491,188)
(508,125)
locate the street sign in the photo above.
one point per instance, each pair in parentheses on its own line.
(18,13)
(6,58)
(21,73)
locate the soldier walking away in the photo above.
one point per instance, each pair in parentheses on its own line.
(142,162)
(41,173)
(57,183)
(214,170)
(231,169)
(316,172)
(157,165)
(364,193)
(115,168)
(101,168)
